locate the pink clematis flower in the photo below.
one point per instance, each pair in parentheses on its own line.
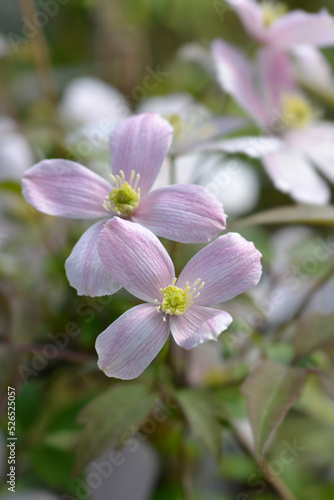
(225,268)
(138,146)
(281,110)
(270,23)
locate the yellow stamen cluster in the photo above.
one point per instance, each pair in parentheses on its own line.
(123,199)
(176,122)
(175,300)
(297,111)
(271,11)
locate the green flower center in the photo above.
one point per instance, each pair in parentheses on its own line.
(271,11)
(123,199)
(297,111)
(176,122)
(175,300)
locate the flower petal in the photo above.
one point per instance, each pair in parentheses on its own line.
(166,105)
(84,268)
(293,174)
(250,15)
(274,70)
(66,189)
(183,212)
(197,325)
(228,266)
(197,130)
(236,77)
(317,142)
(135,258)
(131,342)
(255,147)
(310,64)
(301,28)
(89,100)
(140,143)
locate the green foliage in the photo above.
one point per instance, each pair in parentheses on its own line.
(111,419)
(204,411)
(271,390)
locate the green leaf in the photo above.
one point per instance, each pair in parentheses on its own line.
(313,332)
(203,411)
(323,215)
(110,419)
(271,389)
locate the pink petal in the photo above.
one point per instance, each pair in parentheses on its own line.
(274,69)
(135,258)
(183,212)
(197,325)
(228,266)
(66,189)
(293,174)
(131,342)
(235,75)
(84,268)
(301,28)
(140,143)
(251,17)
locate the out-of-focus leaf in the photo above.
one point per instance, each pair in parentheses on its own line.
(271,389)
(233,402)
(110,416)
(237,467)
(315,403)
(203,411)
(323,215)
(52,466)
(313,332)
(282,353)
(327,381)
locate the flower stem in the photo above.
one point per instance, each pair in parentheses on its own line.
(172,170)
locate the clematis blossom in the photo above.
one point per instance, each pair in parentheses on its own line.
(138,146)
(269,23)
(193,124)
(228,266)
(284,113)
